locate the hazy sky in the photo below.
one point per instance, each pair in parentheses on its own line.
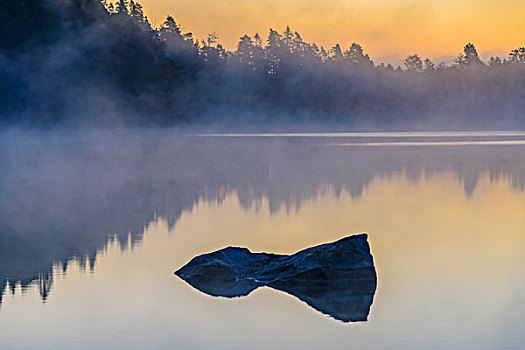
(389,30)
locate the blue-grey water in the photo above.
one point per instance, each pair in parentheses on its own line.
(94,223)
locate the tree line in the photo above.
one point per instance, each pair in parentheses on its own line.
(99,62)
(290,46)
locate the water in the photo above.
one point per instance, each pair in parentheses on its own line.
(93,225)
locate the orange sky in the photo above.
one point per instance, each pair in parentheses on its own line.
(389,30)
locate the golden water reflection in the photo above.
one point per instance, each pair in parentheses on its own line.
(450,268)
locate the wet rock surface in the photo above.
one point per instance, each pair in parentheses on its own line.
(337,279)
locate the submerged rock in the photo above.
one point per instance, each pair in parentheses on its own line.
(338,279)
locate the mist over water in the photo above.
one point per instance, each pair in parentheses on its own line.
(127,149)
(80,188)
(129,208)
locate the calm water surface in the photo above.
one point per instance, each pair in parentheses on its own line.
(93,225)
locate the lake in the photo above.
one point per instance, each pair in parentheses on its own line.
(94,223)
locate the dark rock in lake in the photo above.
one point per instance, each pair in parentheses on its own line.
(338,279)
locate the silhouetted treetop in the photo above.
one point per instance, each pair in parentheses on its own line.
(517,55)
(414,63)
(355,54)
(91,61)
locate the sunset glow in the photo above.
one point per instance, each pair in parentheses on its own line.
(271,174)
(388,30)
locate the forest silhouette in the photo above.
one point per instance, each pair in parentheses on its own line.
(93,63)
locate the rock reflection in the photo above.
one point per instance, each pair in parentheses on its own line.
(337,279)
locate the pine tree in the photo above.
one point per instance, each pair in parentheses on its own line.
(273,48)
(429,65)
(517,55)
(121,7)
(245,50)
(259,60)
(287,39)
(471,54)
(495,62)
(323,55)
(413,63)
(468,57)
(136,11)
(336,54)
(355,54)
(170,27)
